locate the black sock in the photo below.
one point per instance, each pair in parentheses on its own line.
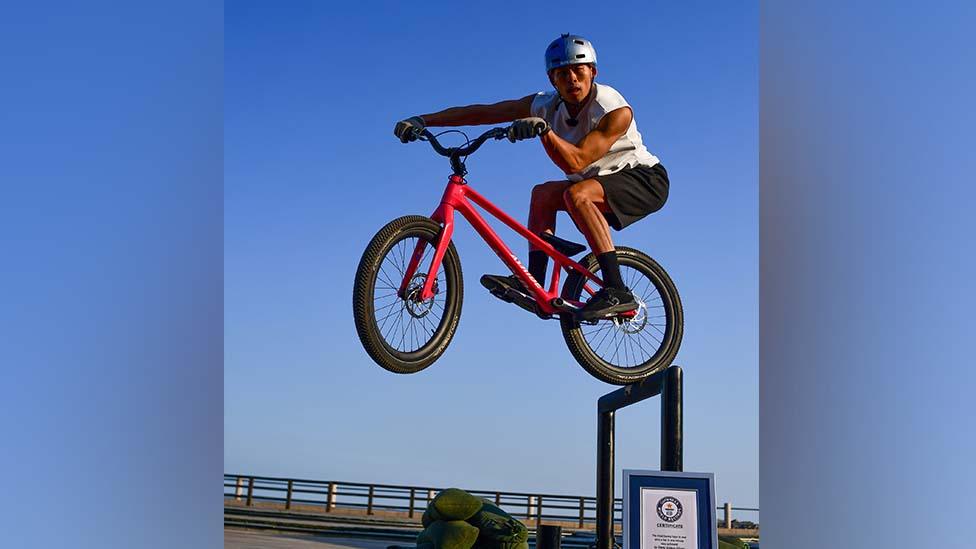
(610,270)
(538,262)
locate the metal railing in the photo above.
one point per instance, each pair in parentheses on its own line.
(397,502)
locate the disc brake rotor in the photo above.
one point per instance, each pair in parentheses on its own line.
(634,324)
(415,306)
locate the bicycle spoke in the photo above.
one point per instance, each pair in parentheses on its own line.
(644,352)
(636,350)
(403,332)
(598,330)
(398,327)
(608,332)
(633,350)
(647,286)
(404,261)
(413,334)
(392,312)
(385,277)
(393,304)
(616,348)
(626,341)
(398,313)
(383,298)
(650,335)
(423,257)
(431,325)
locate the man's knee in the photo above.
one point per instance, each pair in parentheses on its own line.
(575,194)
(548,194)
(586,191)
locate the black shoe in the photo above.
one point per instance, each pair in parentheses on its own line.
(607,302)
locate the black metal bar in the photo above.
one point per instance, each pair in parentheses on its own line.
(250,490)
(412,495)
(538,516)
(288,499)
(548,536)
(666,383)
(581,509)
(672,450)
(630,394)
(604,479)
(369,502)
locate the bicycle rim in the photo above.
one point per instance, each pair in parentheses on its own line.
(408,326)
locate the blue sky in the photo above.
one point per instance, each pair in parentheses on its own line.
(312,171)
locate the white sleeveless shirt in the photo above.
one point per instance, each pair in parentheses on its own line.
(626,152)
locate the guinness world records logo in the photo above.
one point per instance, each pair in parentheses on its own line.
(669,509)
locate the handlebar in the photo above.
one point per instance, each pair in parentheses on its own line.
(455,152)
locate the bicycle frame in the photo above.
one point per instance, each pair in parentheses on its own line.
(458,197)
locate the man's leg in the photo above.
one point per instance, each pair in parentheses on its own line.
(547,199)
(586,203)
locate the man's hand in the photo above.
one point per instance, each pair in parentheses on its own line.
(409,129)
(527,128)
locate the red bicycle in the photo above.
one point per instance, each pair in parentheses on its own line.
(408,290)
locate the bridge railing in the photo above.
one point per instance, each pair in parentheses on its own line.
(398,502)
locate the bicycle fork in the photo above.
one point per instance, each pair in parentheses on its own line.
(445,217)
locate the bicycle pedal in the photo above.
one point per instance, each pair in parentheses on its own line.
(496,288)
(625,315)
(502,294)
(526,302)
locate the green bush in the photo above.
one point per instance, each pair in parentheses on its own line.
(452,534)
(498,526)
(455,504)
(430,515)
(729,542)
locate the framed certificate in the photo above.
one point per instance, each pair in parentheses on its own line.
(669,510)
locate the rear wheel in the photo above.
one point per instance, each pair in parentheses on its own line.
(625,350)
(403,333)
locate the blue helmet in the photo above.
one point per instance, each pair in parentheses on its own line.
(569,49)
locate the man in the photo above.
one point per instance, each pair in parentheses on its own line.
(589,131)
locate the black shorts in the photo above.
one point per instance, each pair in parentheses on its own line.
(632,193)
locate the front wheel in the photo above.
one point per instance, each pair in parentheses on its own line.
(623,350)
(401,332)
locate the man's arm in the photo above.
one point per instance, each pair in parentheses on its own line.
(574,158)
(473,115)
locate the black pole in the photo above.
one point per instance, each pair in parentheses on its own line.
(672,451)
(548,536)
(667,384)
(604,480)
